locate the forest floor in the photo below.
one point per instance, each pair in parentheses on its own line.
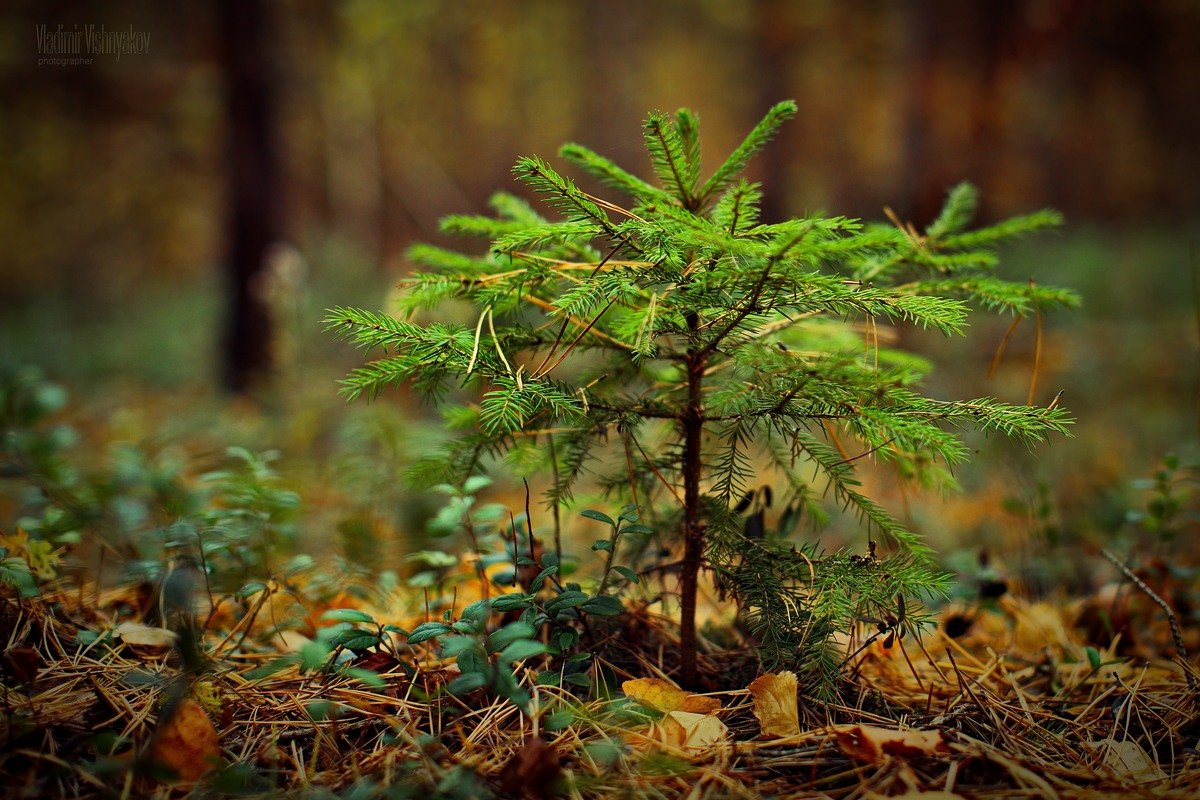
(1005,701)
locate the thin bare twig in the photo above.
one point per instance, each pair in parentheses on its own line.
(1176,632)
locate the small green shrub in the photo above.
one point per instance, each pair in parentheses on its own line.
(139,509)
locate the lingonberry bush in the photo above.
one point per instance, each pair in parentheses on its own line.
(687,352)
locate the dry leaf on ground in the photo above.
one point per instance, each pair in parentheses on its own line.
(136,633)
(1038,625)
(1128,760)
(290,641)
(691,733)
(532,771)
(775,703)
(22,663)
(871,744)
(186,742)
(663,696)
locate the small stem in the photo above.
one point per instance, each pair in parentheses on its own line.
(612,553)
(516,551)
(657,472)
(212,604)
(479,570)
(554,500)
(629,472)
(1176,633)
(528,520)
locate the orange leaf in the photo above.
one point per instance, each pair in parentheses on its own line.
(186,742)
(775,704)
(871,744)
(663,696)
(697,704)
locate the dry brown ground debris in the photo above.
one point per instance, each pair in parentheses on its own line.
(1016,706)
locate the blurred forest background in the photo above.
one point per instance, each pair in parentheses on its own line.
(174,222)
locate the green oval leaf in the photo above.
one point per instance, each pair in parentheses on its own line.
(521,650)
(313,655)
(348,615)
(426,631)
(603,606)
(467,682)
(599,516)
(511,602)
(509,634)
(250,589)
(568,599)
(557,721)
(476,482)
(628,574)
(541,578)
(356,641)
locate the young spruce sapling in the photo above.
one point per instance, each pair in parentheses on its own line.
(688,351)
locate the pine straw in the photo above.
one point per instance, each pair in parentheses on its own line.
(1023,711)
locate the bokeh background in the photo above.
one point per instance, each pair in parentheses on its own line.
(174,222)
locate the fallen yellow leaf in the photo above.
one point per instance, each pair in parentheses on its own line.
(663,696)
(39,554)
(1128,760)
(136,633)
(775,704)
(186,742)
(871,744)
(691,733)
(290,641)
(1038,625)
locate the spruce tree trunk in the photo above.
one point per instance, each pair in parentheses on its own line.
(253,221)
(693,531)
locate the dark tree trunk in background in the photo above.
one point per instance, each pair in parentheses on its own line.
(253,222)
(776,41)
(921,69)
(966,43)
(994,29)
(610,115)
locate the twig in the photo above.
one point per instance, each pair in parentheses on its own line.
(1008,334)
(1037,354)
(566,321)
(654,469)
(1176,633)
(554,505)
